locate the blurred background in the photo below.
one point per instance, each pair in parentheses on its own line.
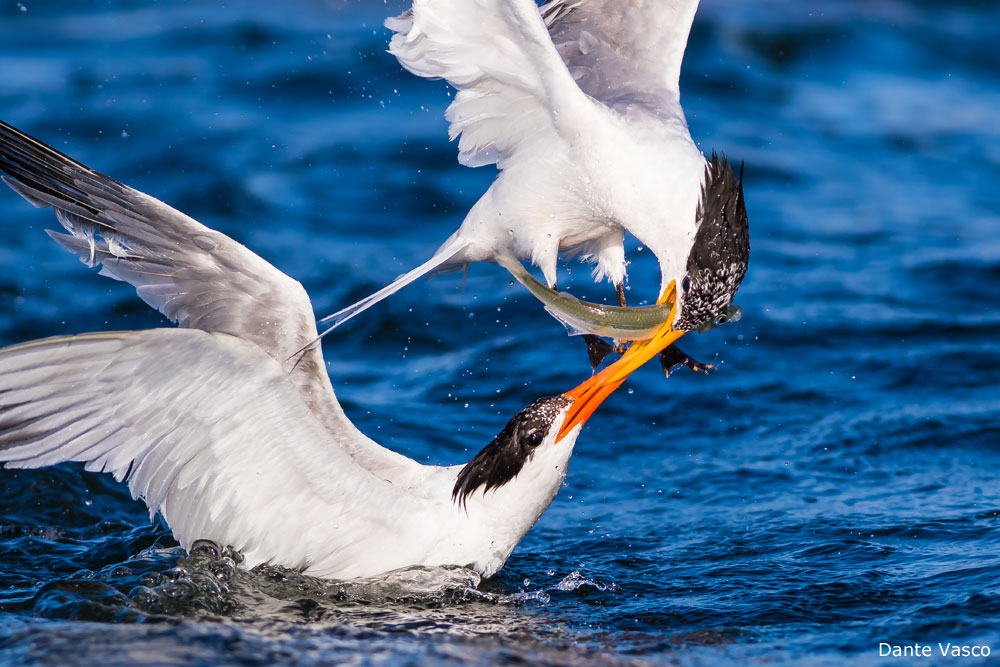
(831,486)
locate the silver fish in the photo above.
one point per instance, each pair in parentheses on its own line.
(621,323)
(580,317)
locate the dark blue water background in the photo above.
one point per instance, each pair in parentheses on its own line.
(833,485)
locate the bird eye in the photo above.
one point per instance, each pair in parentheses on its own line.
(534,438)
(686,284)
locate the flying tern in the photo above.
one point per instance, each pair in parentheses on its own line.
(229,426)
(577,103)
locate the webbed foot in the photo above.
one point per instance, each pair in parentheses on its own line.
(597,350)
(673,356)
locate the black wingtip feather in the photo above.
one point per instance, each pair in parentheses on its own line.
(43,168)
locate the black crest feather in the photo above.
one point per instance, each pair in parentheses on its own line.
(721,251)
(502,459)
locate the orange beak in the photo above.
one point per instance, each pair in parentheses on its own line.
(589,395)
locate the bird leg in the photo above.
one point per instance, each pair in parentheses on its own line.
(673,356)
(670,358)
(620,293)
(597,347)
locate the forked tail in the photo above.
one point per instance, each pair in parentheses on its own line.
(447,252)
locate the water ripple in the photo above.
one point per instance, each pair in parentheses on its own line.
(830,487)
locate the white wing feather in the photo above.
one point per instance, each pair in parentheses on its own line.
(624,52)
(196,276)
(516,82)
(513,89)
(166,410)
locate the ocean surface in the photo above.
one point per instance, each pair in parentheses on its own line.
(833,485)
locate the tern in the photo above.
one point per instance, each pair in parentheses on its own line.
(231,435)
(577,103)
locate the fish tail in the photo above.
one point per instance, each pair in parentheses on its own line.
(516,269)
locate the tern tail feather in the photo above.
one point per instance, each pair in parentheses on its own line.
(446,254)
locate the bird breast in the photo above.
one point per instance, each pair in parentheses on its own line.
(649,178)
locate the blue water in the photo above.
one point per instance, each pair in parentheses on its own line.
(832,486)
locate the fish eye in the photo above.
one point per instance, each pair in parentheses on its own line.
(732,314)
(686,284)
(534,438)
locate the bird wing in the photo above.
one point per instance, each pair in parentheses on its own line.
(167,411)
(513,88)
(196,276)
(624,52)
(524,73)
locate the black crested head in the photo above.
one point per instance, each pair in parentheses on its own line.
(721,250)
(501,460)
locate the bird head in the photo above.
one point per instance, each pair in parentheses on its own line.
(531,432)
(535,445)
(715,267)
(719,254)
(541,436)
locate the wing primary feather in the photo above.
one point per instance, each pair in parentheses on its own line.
(172,260)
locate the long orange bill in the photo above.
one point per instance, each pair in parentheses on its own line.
(589,395)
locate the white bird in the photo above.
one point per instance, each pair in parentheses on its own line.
(577,103)
(228,433)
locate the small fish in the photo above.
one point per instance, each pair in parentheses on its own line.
(580,317)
